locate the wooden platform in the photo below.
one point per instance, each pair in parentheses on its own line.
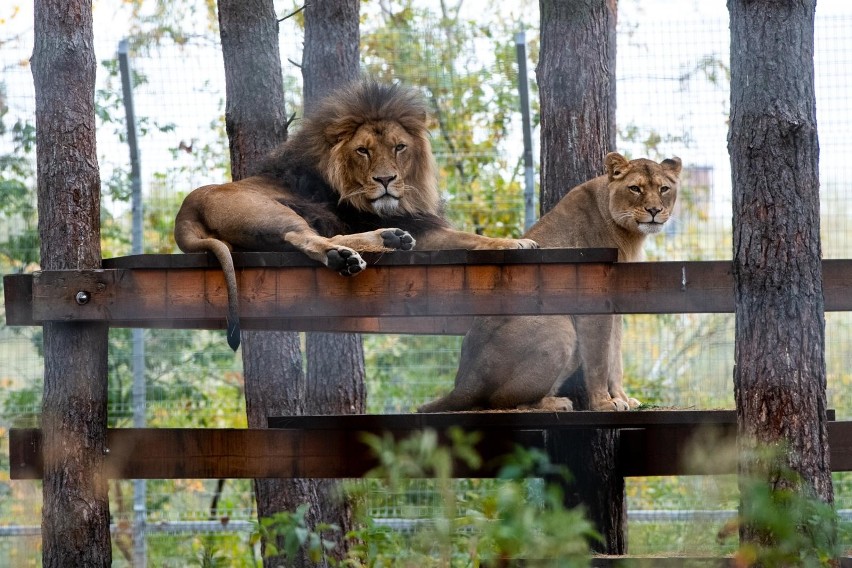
(651,443)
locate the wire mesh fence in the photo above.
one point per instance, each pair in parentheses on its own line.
(672,100)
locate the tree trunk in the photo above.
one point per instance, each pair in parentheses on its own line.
(256,123)
(75,517)
(779,374)
(335,362)
(577,130)
(576,78)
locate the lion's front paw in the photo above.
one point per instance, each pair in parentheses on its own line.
(345,261)
(397,239)
(526,244)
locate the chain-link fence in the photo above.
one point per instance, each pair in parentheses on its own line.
(673,99)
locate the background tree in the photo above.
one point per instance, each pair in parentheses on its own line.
(255,121)
(779,373)
(75,517)
(335,362)
(577,130)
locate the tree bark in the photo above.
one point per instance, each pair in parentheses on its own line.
(779,374)
(256,123)
(75,517)
(576,77)
(335,362)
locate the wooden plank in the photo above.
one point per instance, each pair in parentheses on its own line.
(398,258)
(185,453)
(310,298)
(659,447)
(485,420)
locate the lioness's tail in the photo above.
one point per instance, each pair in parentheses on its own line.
(192,243)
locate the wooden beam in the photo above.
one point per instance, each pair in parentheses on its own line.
(396,295)
(652,443)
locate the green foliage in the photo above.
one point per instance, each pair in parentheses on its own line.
(789,524)
(286,535)
(520,520)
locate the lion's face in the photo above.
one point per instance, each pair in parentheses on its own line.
(642,192)
(371,143)
(371,168)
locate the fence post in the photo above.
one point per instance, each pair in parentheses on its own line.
(140,489)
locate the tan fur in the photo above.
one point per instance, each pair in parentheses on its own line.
(363,151)
(508,362)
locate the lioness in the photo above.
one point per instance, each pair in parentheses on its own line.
(358,176)
(520,361)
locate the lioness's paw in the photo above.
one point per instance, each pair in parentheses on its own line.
(631,402)
(345,261)
(397,239)
(526,244)
(608,404)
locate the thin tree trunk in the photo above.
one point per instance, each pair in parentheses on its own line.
(779,374)
(256,123)
(75,517)
(577,130)
(335,362)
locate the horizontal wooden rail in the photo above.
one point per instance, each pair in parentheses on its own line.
(652,443)
(403,292)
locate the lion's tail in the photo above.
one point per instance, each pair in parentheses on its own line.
(223,254)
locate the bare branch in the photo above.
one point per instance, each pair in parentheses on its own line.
(291,14)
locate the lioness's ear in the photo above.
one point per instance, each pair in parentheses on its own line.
(672,164)
(615,164)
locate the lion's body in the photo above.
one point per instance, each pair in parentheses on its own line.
(521,361)
(358,176)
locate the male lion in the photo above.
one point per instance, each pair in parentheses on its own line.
(358,176)
(521,361)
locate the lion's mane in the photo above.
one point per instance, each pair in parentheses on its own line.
(312,165)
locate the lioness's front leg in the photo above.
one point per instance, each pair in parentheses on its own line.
(599,342)
(616,376)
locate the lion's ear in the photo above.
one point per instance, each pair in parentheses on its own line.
(673,165)
(615,164)
(340,130)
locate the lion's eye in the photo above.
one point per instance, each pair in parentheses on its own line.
(363,151)
(635,189)
(399,148)
(665,189)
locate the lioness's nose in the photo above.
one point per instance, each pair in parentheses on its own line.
(653,211)
(384,180)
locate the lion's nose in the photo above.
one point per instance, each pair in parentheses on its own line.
(385,180)
(653,211)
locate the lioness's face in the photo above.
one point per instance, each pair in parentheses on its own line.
(642,192)
(376,162)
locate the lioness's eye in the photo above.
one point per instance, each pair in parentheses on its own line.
(399,148)
(635,189)
(664,189)
(363,151)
